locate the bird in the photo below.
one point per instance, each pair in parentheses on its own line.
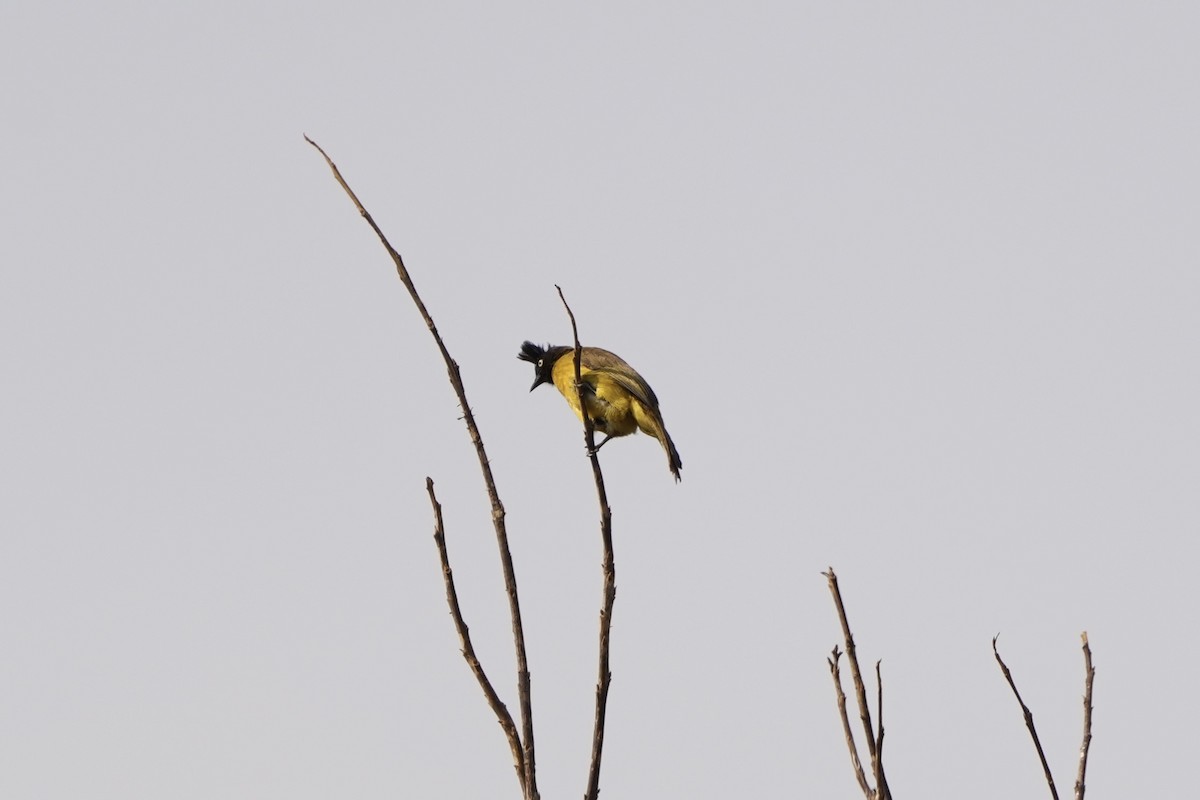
(618,399)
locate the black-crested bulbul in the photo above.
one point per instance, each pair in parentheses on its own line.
(618,399)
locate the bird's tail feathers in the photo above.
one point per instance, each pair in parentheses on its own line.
(674,462)
(650,421)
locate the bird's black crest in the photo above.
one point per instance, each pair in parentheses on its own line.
(543,360)
(531,352)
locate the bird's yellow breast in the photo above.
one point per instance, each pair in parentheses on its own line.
(609,404)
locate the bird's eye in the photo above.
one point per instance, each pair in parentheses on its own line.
(541,361)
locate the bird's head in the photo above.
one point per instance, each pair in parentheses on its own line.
(543,359)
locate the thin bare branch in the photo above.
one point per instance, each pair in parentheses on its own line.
(510,580)
(1090,673)
(855,762)
(464,636)
(874,741)
(604,678)
(1037,743)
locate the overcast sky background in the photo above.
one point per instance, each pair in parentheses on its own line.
(917,285)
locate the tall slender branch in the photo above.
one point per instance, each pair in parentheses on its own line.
(604,679)
(510,579)
(1090,676)
(464,637)
(1037,743)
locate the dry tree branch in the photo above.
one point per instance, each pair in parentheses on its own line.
(1028,718)
(874,741)
(604,679)
(464,637)
(855,762)
(1090,674)
(529,784)
(881,789)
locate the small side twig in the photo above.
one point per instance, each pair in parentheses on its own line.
(524,692)
(855,761)
(464,637)
(1037,743)
(604,678)
(1090,676)
(874,740)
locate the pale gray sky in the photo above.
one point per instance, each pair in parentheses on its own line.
(917,285)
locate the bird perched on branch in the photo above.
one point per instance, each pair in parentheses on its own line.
(618,399)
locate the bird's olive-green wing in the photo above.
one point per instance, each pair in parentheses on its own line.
(615,367)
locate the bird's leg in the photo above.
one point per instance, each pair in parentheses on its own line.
(596,449)
(599,423)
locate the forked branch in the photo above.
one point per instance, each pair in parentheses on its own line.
(1089,677)
(874,738)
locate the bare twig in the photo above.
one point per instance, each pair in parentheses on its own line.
(529,785)
(464,637)
(1037,743)
(880,778)
(874,741)
(855,762)
(1090,673)
(604,679)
